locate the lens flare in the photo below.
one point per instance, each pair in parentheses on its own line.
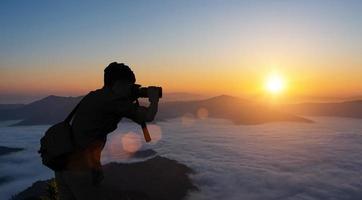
(114,149)
(202,113)
(155,132)
(131,142)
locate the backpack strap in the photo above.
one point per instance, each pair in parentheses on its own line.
(71,114)
(69,119)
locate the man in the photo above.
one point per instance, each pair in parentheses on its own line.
(97,115)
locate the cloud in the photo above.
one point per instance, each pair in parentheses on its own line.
(290,161)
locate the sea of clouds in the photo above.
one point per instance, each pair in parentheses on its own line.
(322,160)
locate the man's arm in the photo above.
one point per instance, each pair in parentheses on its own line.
(140,114)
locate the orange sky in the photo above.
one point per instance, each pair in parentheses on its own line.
(222,48)
(245,79)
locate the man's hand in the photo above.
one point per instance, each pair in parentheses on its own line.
(153,94)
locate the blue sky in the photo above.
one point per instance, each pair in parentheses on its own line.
(39,38)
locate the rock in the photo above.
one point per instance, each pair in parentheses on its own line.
(34,192)
(158,178)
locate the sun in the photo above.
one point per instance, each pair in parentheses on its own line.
(274,83)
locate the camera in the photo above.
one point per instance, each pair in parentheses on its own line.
(142,92)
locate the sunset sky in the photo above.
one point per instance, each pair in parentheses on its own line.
(205,47)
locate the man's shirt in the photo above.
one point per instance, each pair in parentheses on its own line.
(97,115)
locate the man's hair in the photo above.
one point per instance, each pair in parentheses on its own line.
(118,71)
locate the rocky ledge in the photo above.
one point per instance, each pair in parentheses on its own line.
(157,178)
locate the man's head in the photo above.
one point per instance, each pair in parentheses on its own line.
(118,72)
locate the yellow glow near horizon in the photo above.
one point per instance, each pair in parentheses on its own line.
(274,83)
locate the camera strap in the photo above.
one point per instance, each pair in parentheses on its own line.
(146,134)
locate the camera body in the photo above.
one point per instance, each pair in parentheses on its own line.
(142,92)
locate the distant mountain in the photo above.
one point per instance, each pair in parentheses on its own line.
(48,110)
(182,96)
(235,109)
(339,109)
(53,109)
(10,106)
(8,111)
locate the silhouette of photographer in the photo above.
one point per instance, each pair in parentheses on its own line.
(98,114)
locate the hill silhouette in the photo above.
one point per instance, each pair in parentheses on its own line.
(53,109)
(48,110)
(10,106)
(232,108)
(351,109)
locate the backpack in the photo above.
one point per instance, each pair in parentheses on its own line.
(58,143)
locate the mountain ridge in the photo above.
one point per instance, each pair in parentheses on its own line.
(53,109)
